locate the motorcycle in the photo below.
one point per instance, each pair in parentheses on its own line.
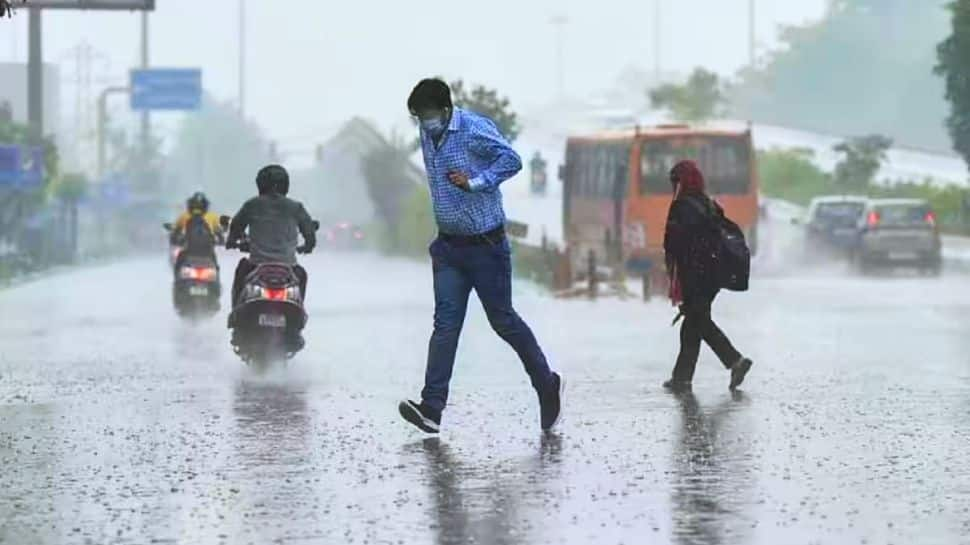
(195,288)
(268,315)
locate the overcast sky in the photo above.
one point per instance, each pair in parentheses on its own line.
(313,63)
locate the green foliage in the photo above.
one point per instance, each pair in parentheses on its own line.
(389,186)
(791,175)
(862,157)
(416,227)
(700,98)
(865,68)
(487,102)
(953,56)
(71,187)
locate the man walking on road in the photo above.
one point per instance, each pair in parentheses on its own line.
(466,159)
(690,243)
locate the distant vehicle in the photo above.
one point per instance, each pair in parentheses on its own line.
(617,192)
(345,236)
(195,287)
(832,221)
(899,233)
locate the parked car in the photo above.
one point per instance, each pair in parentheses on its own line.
(899,233)
(832,222)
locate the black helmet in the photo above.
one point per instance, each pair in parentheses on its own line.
(197,201)
(273,179)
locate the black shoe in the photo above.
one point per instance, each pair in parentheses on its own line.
(550,403)
(425,418)
(738,371)
(675,385)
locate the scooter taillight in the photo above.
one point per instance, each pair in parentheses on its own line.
(274,294)
(205,274)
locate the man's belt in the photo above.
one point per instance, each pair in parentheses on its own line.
(493,237)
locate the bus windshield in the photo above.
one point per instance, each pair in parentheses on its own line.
(724,160)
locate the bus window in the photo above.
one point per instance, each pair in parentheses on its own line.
(656,160)
(723,160)
(728,172)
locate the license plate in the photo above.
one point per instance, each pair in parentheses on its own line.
(903,255)
(272,320)
(198,291)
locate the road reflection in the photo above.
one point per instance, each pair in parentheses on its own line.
(708,480)
(484,504)
(273,425)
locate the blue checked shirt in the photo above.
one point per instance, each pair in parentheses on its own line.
(473,145)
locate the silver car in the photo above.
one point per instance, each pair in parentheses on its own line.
(898,233)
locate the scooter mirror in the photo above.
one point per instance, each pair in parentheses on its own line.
(167,227)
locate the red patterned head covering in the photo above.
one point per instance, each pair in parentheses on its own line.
(687,178)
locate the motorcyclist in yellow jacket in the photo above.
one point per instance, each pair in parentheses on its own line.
(197,206)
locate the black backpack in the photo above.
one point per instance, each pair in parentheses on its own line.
(199,239)
(732,255)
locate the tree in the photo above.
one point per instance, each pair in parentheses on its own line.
(866,67)
(219,152)
(487,102)
(698,99)
(953,64)
(862,157)
(6,7)
(791,174)
(389,185)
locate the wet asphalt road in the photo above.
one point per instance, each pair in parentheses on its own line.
(120,423)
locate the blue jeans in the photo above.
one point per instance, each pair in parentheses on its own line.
(487,269)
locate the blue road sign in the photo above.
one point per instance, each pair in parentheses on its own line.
(166,89)
(21,167)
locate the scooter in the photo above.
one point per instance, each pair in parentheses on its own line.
(195,288)
(268,315)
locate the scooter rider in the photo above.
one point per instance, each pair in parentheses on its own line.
(273,221)
(197,229)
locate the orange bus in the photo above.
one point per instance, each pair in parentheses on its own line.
(616,192)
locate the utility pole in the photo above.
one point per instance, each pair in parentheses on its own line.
(657,41)
(560,22)
(242,58)
(752,34)
(146,128)
(102,126)
(35,77)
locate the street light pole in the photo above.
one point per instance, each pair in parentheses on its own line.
(242,58)
(559,22)
(35,76)
(146,127)
(657,41)
(102,126)
(752,34)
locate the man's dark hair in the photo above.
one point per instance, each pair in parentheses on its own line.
(429,94)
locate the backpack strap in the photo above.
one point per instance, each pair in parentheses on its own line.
(707,207)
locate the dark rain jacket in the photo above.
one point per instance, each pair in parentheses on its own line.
(274,222)
(691,237)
